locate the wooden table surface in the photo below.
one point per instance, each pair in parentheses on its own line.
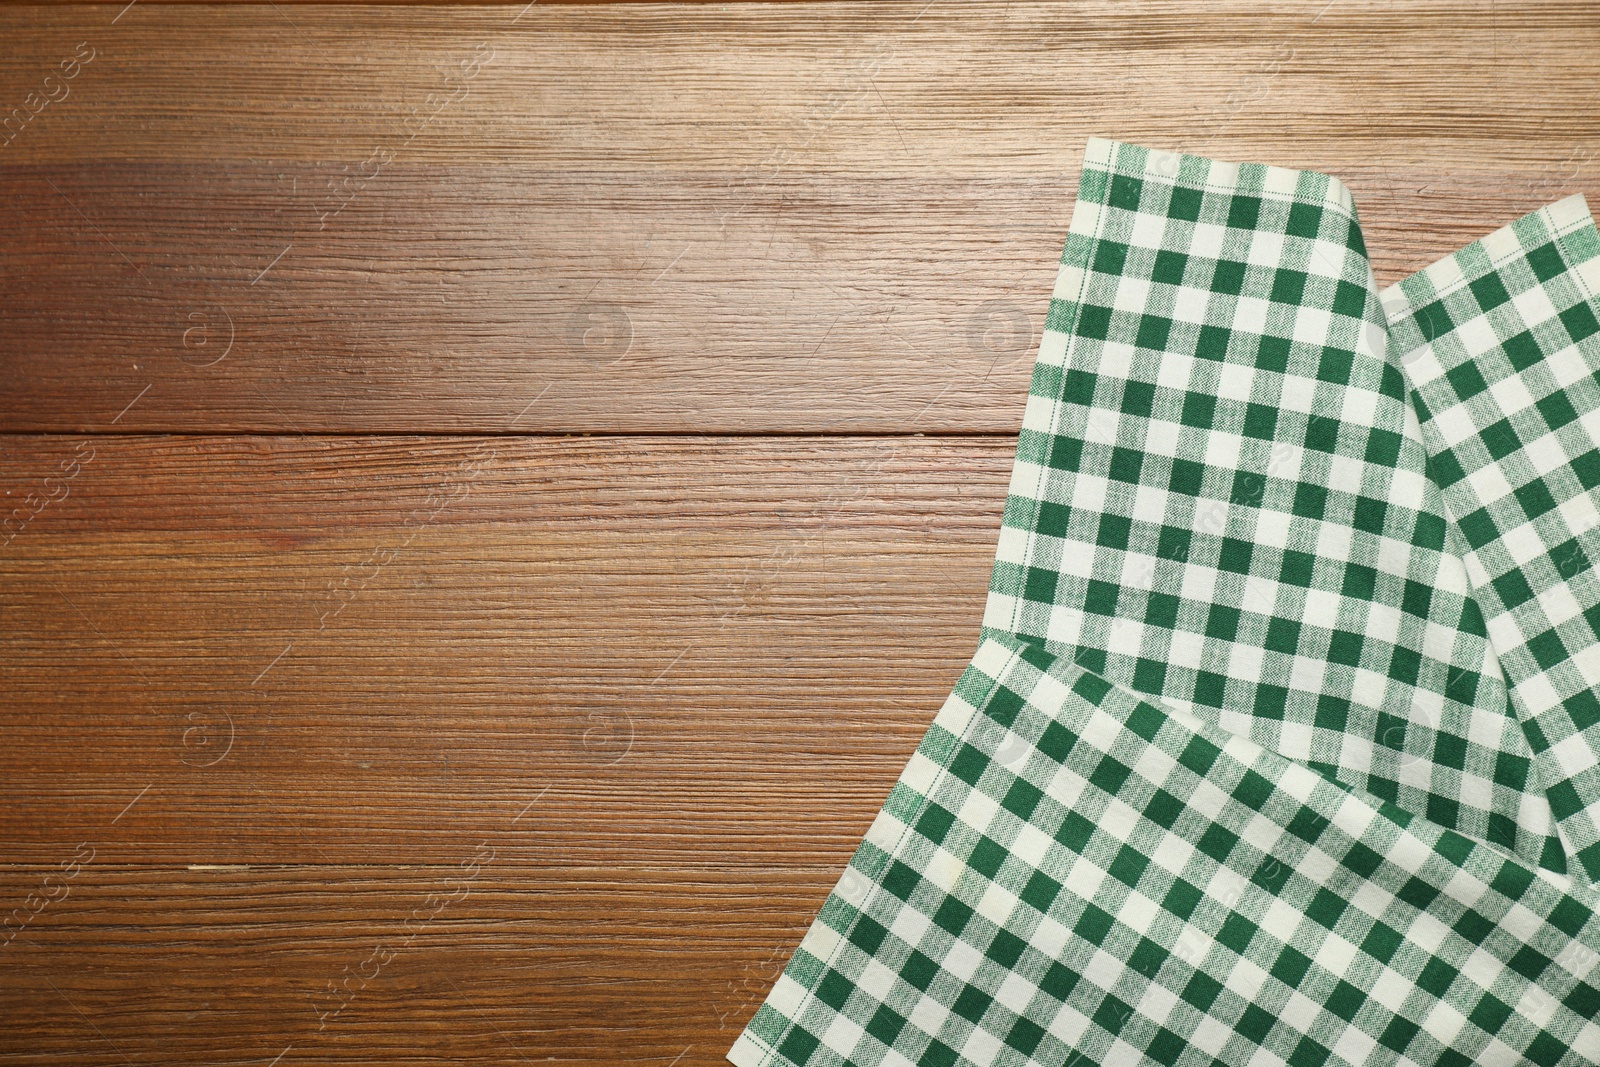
(497,492)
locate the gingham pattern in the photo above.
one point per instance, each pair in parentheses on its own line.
(1501,343)
(1235,776)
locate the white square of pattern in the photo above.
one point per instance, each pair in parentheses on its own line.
(1148,231)
(1333,542)
(1534,306)
(1568,366)
(981,1046)
(997,904)
(1133,295)
(1390,989)
(1209,235)
(1250,314)
(1335,955)
(1191,305)
(1161,438)
(1312,325)
(961,960)
(1510,395)
(1360,407)
(1266,249)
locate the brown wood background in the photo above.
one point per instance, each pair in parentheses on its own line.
(482,548)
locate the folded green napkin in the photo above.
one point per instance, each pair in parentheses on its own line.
(1281,744)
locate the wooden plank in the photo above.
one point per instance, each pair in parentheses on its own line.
(710,652)
(480,961)
(742,218)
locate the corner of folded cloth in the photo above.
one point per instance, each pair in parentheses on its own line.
(1280,744)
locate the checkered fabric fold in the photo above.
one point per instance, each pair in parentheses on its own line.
(1281,744)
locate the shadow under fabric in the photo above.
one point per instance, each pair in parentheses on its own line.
(1280,744)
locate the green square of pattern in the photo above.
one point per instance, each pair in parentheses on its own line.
(1235,555)
(1291,966)
(1199,410)
(1169,266)
(1110,257)
(1125,192)
(1322,433)
(1094,321)
(1359,581)
(1310,501)
(1100,597)
(1466,380)
(1489,291)
(1184,204)
(1041,585)
(1283,635)
(834,989)
(971,1003)
(1270,701)
(1383,447)
(1006,948)
(1522,350)
(1501,439)
(1580,321)
(1369,514)
(1298,568)
(1173,543)
(1217,842)
(1126,463)
(1077,387)
(1546,261)
(1138,398)
(1350,299)
(1187,477)
(1210,689)
(952,916)
(798,1046)
(1162,610)
(1129,866)
(885,1025)
(1433,320)
(1181,899)
(1304,219)
(1514,589)
(1260,421)
(1223,622)
(1273,353)
(1535,499)
(1332,712)
(1345,1000)
(987,857)
(1547,649)
(1053,519)
(1212,343)
(1041,891)
(1228,277)
(1335,365)
(1344,647)
(1113,531)
(1557,410)
(1243,211)
(1255,1023)
(1153,331)
(1288,286)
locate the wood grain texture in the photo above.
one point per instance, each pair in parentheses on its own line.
(739,218)
(694,653)
(495,962)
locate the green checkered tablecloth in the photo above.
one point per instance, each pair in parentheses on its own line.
(1281,742)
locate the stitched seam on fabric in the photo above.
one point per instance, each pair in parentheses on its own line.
(1071,331)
